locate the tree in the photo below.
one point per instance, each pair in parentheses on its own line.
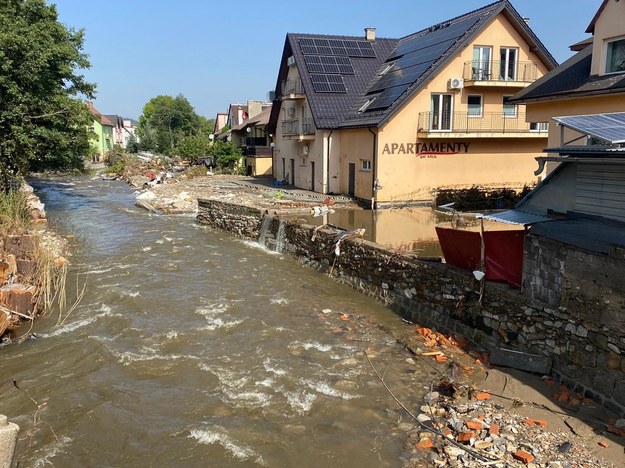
(193,146)
(133,145)
(170,119)
(227,155)
(43,119)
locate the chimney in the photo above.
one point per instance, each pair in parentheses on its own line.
(370,34)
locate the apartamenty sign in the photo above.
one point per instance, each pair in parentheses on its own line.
(427,148)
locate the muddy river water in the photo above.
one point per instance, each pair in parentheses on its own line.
(192,348)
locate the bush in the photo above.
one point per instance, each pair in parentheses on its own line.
(479,198)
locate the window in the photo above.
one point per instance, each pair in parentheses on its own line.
(480,68)
(539,126)
(474,102)
(509,109)
(508,63)
(365,164)
(615,60)
(441,112)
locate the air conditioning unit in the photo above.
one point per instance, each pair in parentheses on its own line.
(305,150)
(290,111)
(290,61)
(456,83)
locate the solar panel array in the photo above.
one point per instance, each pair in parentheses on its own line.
(328,83)
(412,57)
(608,127)
(329,64)
(341,47)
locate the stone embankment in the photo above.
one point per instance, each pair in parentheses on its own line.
(449,300)
(27,258)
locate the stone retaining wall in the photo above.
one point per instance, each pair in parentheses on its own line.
(585,355)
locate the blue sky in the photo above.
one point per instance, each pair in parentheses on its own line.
(217,53)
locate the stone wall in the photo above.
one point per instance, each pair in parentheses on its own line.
(586,355)
(242,220)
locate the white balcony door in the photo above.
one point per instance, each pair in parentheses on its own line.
(508,63)
(481,62)
(441,112)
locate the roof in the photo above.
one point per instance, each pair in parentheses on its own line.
(580,45)
(571,79)
(98,115)
(417,58)
(591,26)
(517,217)
(595,234)
(260,119)
(329,108)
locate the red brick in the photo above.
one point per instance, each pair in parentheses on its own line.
(475,425)
(425,444)
(523,456)
(494,429)
(465,437)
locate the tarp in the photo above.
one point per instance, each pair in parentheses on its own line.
(503,252)
(504,256)
(460,248)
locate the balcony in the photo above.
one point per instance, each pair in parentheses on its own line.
(292,89)
(500,74)
(291,129)
(258,151)
(486,125)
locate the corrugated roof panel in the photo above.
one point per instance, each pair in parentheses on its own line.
(608,127)
(523,218)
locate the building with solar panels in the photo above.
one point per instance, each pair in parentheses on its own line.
(393,120)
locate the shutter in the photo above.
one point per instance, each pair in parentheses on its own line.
(601,190)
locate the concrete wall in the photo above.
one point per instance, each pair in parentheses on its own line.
(584,340)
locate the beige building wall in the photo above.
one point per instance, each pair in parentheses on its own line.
(487,159)
(610,25)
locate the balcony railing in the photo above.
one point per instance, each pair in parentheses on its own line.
(513,71)
(259,151)
(291,87)
(292,127)
(469,122)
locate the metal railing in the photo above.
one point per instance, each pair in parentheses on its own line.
(470,122)
(497,70)
(292,127)
(291,87)
(260,151)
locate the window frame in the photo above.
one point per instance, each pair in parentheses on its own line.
(481,113)
(365,162)
(503,110)
(607,53)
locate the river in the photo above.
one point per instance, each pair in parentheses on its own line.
(193,348)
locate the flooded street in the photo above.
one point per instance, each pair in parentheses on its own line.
(193,348)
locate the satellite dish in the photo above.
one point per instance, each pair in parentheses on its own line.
(211,137)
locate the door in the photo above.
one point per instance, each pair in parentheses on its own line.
(508,64)
(292,179)
(351,189)
(283,169)
(312,176)
(481,63)
(441,112)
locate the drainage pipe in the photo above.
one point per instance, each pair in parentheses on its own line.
(374,169)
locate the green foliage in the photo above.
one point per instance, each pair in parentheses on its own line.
(169,119)
(478,198)
(193,146)
(133,144)
(117,160)
(227,155)
(14,216)
(43,121)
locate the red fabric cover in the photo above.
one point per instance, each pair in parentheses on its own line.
(504,256)
(460,248)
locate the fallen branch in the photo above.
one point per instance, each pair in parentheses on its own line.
(6,310)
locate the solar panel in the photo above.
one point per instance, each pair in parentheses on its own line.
(329,64)
(386,98)
(336,47)
(608,127)
(328,83)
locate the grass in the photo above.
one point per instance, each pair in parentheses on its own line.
(14,214)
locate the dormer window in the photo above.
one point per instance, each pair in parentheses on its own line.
(615,57)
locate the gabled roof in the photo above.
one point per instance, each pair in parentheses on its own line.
(572,79)
(418,57)
(328,108)
(98,115)
(258,120)
(591,27)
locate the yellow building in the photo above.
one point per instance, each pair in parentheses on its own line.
(590,82)
(392,121)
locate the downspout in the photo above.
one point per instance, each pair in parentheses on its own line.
(374,169)
(326,162)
